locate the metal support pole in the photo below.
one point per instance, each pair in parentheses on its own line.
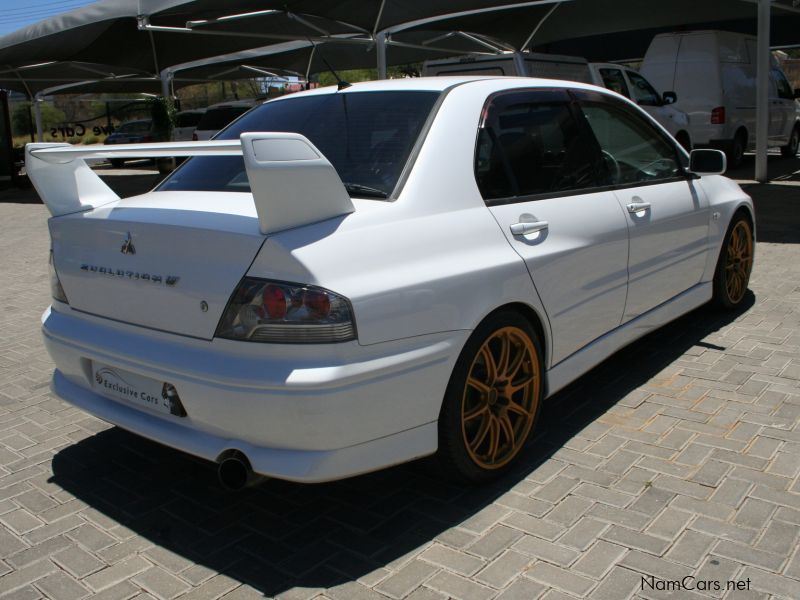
(166,79)
(380,47)
(762,89)
(37,111)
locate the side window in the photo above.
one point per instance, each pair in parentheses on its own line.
(530,143)
(632,149)
(614,81)
(784,89)
(643,93)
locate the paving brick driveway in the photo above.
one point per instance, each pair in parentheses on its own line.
(678,457)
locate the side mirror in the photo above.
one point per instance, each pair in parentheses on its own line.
(707,162)
(669,97)
(797,92)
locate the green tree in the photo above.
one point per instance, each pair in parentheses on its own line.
(22,121)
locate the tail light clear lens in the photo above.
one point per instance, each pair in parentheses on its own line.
(56,291)
(718,116)
(286,313)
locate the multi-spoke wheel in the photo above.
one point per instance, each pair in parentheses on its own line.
(734,264)
(492,399)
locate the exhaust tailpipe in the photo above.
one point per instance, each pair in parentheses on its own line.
(235,473)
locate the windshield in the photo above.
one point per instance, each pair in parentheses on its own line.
(367,137)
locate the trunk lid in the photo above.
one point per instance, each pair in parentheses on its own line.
(166,260)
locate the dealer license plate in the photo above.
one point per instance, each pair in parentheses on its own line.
(135,389)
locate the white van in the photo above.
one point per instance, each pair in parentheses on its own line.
(635,87)
(572,68)
(713,74)
(526,64)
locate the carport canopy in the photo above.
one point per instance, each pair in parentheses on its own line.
(151,35)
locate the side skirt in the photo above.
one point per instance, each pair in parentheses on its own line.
(572,367)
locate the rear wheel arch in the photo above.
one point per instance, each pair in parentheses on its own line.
(491,404)
(536,321)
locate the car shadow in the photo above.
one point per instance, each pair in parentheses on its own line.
(280,535)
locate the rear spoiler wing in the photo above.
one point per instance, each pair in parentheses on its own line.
(292,182)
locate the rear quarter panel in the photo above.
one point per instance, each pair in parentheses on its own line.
(433,260)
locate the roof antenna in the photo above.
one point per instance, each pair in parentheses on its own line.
(341,84)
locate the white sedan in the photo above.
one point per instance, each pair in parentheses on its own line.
(348,279)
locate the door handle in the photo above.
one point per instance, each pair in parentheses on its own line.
(635,207)
(526,228)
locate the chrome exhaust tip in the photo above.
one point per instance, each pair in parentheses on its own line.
(235,473)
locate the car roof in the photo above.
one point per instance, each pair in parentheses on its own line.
(440,84)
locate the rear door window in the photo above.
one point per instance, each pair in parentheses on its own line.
(531,143)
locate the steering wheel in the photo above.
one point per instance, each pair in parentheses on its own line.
(613,163)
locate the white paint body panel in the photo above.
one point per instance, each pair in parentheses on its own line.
(421,272)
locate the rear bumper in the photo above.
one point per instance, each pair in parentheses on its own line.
(300,413)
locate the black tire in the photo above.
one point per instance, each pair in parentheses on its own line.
(499,414)
(734,266)
(790,149)
(683,139)
(736,151)
(117,163)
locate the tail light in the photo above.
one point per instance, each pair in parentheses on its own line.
(56,290)
(147,138)
(286,313)
(718,116)
(194,136)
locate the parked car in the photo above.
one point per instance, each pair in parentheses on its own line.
(713,74)
(624,81)
(509,234)
(219,116)
(185,123)
(140,131)
(633,85)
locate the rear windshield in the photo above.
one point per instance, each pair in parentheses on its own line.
(219,118)
(367,137)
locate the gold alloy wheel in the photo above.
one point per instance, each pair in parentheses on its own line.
(500,398)
(739,261)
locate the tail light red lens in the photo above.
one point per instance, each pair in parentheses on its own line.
(287,313)
(194,137)
(274,301)
(718,116)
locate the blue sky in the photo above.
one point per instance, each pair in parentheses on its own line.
(16,14)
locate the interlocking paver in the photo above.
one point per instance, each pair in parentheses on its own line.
(689,469)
